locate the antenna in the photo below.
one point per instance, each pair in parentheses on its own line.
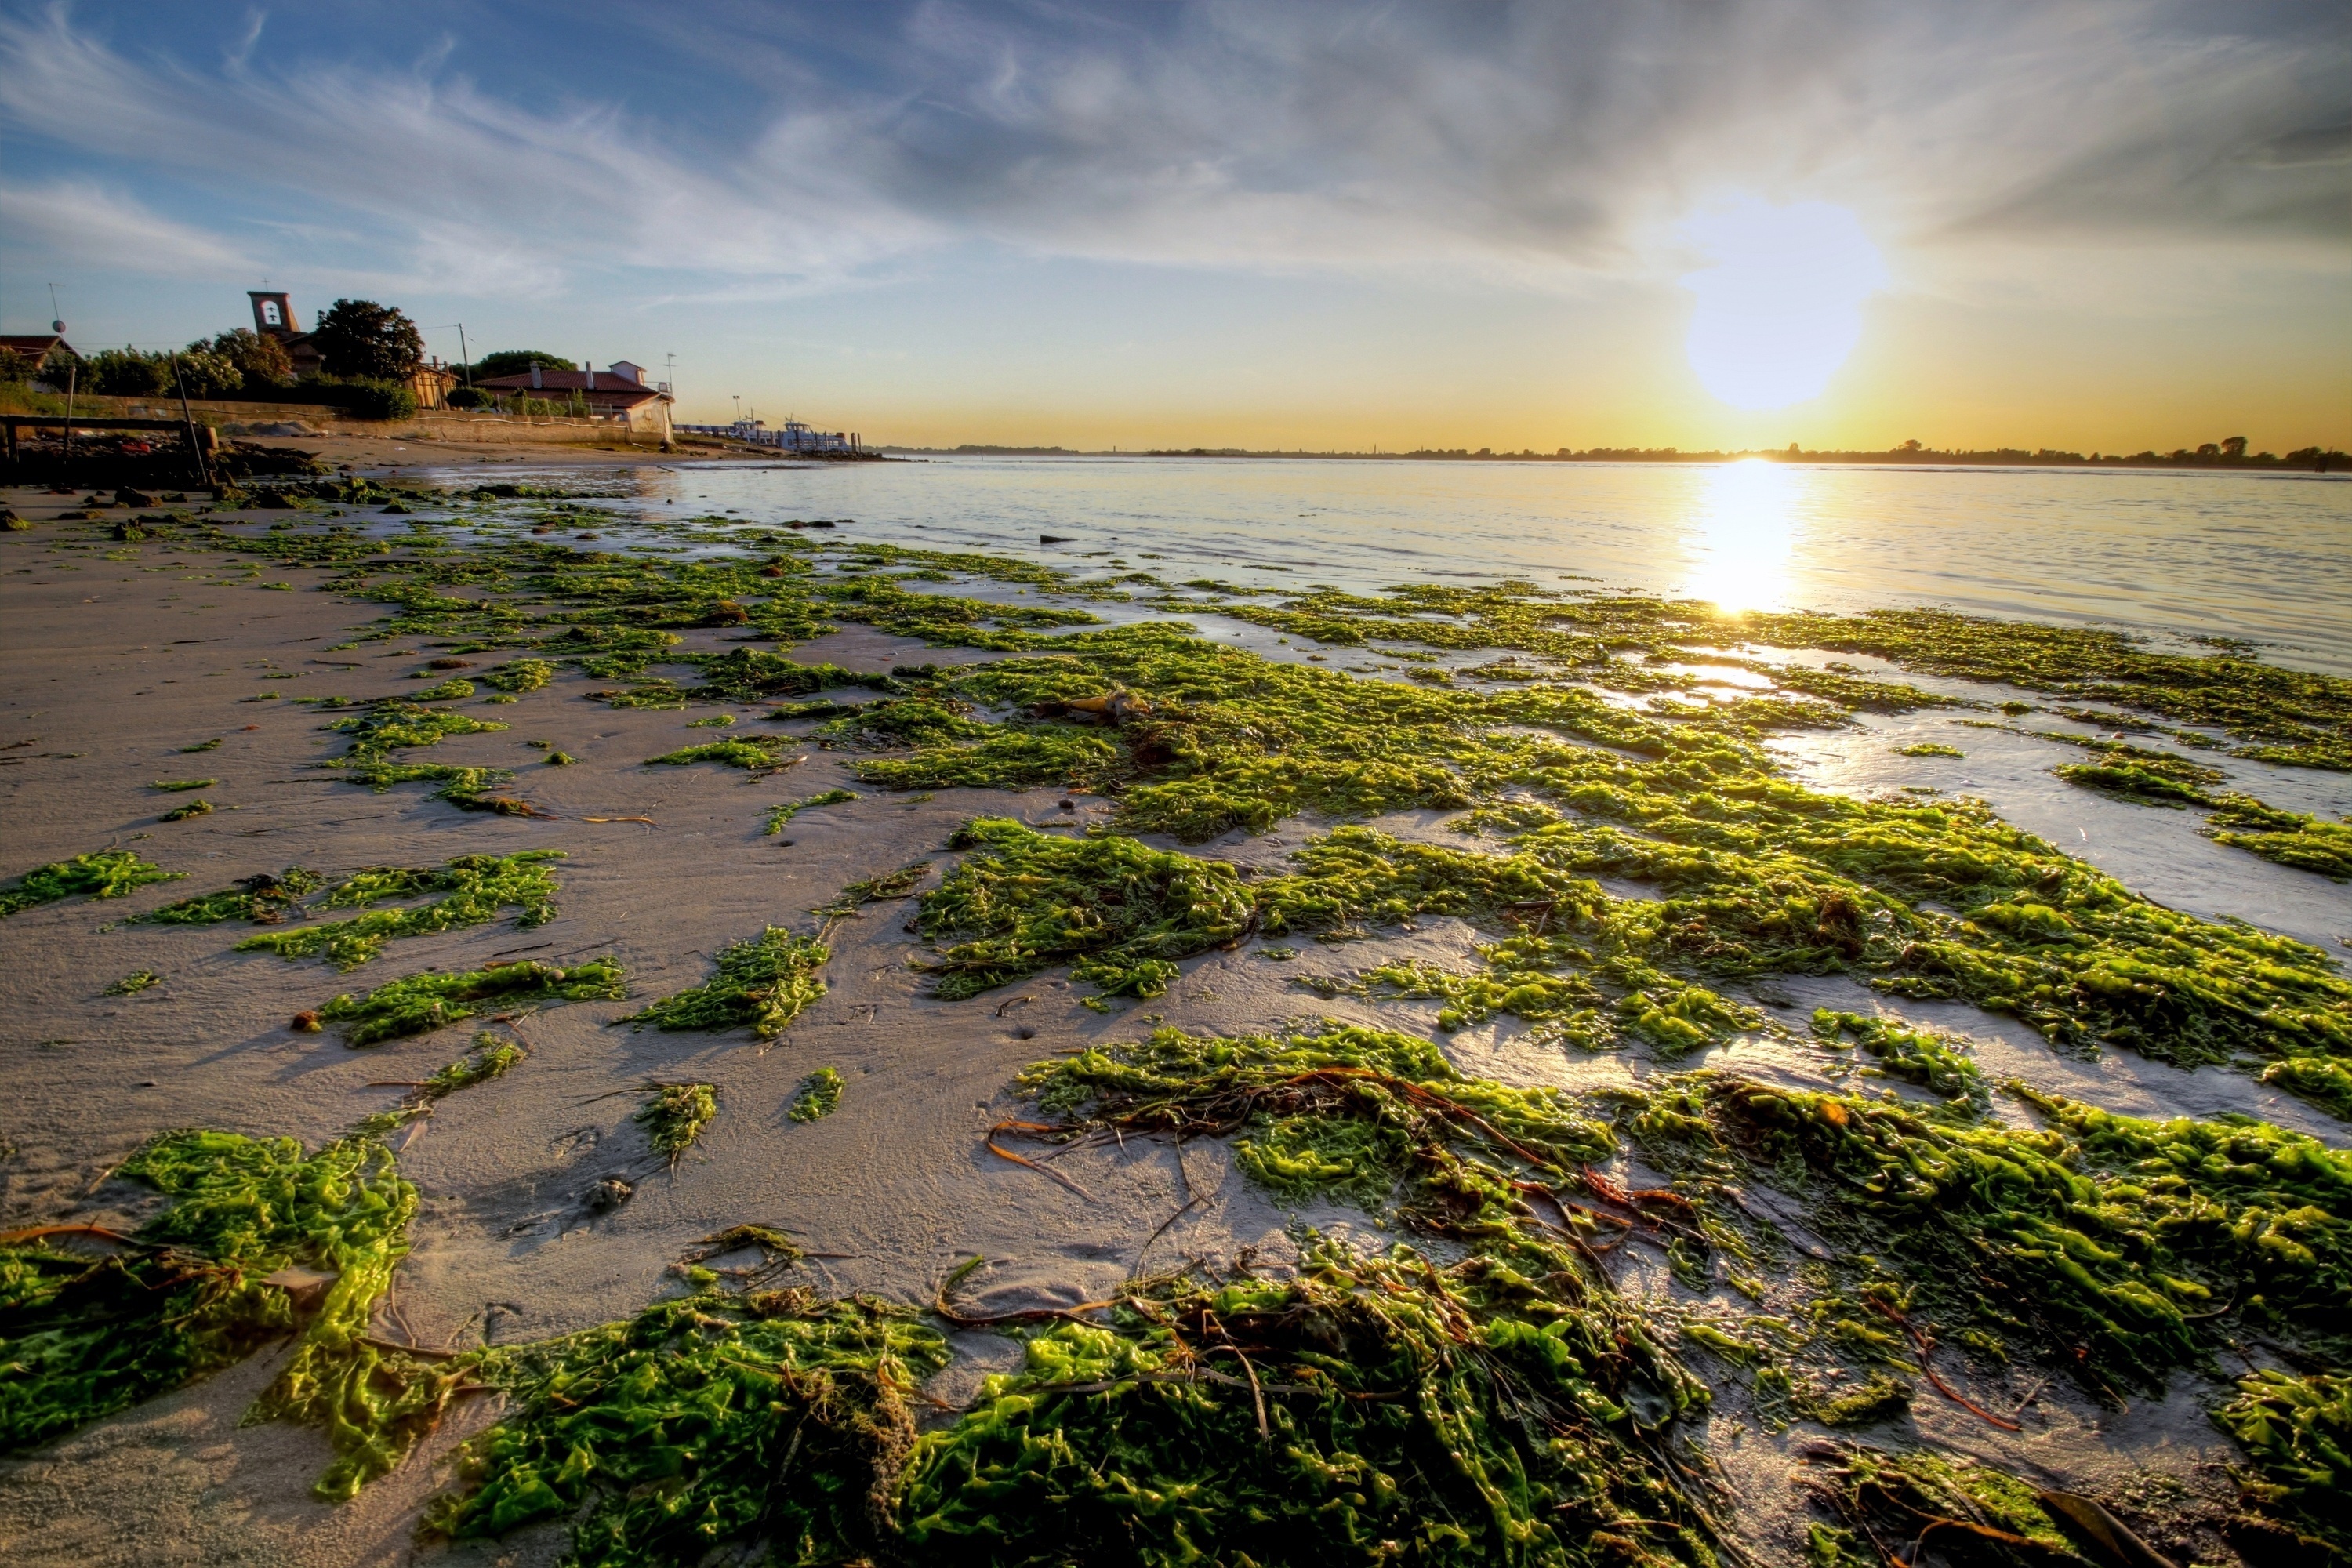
(56,325)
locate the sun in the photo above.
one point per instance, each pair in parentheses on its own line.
(1780,304)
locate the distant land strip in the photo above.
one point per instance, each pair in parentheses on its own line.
(2211,455)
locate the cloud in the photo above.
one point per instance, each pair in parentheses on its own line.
(92,223)
(1542,141)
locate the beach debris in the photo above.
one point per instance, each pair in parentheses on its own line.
(417,1003)
(762,984)
(607,1193)
(306,1021)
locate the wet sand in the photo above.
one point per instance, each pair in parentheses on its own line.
(114,665)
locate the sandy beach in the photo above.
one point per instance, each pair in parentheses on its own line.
(136,663)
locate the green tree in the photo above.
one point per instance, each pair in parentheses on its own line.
(261,361)
(126,372)
(361,339)
(2233,446)
(518,362)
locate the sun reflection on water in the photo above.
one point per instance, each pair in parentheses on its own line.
(1742,536)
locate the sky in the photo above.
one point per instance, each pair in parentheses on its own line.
(2103,225)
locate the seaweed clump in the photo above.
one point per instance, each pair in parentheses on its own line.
(2297,1430)
(819,1096)
(675,1117)
(262,899)
(716,1419)
(1027,900)
(417,1003)
(474,888)
(1374,1406)
(261,1240)
(761,984)
(107,874)
(2121,1248)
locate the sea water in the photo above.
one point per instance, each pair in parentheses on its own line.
(2261,557)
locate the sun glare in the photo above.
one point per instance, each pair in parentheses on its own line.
(1742,536)
(1779,305)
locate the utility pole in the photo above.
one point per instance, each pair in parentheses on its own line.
(465,354)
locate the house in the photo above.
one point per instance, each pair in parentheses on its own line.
(273,317)
(37,347)
(617,391)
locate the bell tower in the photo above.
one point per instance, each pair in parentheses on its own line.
(273,314)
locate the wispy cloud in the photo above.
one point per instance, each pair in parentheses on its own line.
(92,223)
(1543,141)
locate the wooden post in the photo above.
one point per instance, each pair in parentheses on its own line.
(188,430)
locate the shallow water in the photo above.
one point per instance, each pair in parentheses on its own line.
(2262,557)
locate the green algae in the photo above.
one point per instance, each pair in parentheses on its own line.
(1879,1398)
(488,1057)
(1996,1517)
(197,807)
(1015,759)
(712,1420)
(1928,749)
(2326,1084)
(779,815)
(1373,1408)
(263,900)
(819,1096)
(883,889)
(200,1285)
(183,784)
(2115,1247)
(105,874)
(748,675)
(1024,902)
(2296,1428)
(1924,1056)
(474,889)
(758,753)
(132,984)
(1380,1118)
(417,1003)
(520,674)
(450,690)
(676,1115)
(761,984)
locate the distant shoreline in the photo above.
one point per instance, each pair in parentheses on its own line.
(2308,460)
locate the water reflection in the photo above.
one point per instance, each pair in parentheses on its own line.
(1742,536)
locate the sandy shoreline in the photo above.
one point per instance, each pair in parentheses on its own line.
(123,657)
(120,666)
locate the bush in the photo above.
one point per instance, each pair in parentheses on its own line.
(126,372)
(366,340)
(15,366)
(379,400)
(466,397)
